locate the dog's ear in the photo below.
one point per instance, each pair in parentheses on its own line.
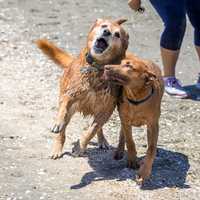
(126,41)
(149,77)
(120,21)
(99,20)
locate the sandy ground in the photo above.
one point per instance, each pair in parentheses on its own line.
(28,103)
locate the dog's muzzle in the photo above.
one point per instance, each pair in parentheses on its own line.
(114,77)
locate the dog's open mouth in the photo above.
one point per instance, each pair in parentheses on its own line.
(100,45)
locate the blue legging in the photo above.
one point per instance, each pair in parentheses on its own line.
(173,14)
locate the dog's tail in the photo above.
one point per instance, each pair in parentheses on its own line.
(60,57)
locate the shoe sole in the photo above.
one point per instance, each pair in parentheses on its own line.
(177,96)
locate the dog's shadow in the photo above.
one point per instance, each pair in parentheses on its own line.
(194,93)
(169,169)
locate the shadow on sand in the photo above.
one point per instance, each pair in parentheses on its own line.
(169,169)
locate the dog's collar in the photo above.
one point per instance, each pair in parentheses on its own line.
(137,102)
(90,60)
(94,67)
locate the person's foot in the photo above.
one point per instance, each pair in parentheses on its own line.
(173,87)
(198,82)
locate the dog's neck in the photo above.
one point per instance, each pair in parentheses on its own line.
(137,95)
(90,64)
(93,62)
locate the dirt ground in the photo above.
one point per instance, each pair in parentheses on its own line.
(28,104)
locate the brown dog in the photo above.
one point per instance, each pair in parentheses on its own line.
(141,100)
(82,88)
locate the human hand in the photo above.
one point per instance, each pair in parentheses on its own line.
(136,5)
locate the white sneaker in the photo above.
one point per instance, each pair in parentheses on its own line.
(173,87)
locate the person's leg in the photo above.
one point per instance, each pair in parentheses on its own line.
(197,45)
(193,11)
(172,14)
(169,59)
(198,50)
(198,79)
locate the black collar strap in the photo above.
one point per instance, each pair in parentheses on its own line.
(94,67)
(137,102)
(89,58)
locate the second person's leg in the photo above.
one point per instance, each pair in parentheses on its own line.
(172,14)
(193,11)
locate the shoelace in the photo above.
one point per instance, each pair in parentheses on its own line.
(173,82)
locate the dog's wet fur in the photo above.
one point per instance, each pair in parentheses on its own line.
(87,93)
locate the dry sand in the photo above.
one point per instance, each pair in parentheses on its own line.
(28,104)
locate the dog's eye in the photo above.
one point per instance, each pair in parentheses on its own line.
(127,65)
(104,26)
(117,34)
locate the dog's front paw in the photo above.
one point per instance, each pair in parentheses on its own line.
(57,128)
(57,151)
(58,143)
(56,155)
(144,173)
(118,154)
(77,151)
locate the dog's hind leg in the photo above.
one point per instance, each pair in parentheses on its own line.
(99,120)
(102,142)
(146,165)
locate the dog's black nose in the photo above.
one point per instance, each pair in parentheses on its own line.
(106,32)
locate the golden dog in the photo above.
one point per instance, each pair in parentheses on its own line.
(141,101)
(82,88)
